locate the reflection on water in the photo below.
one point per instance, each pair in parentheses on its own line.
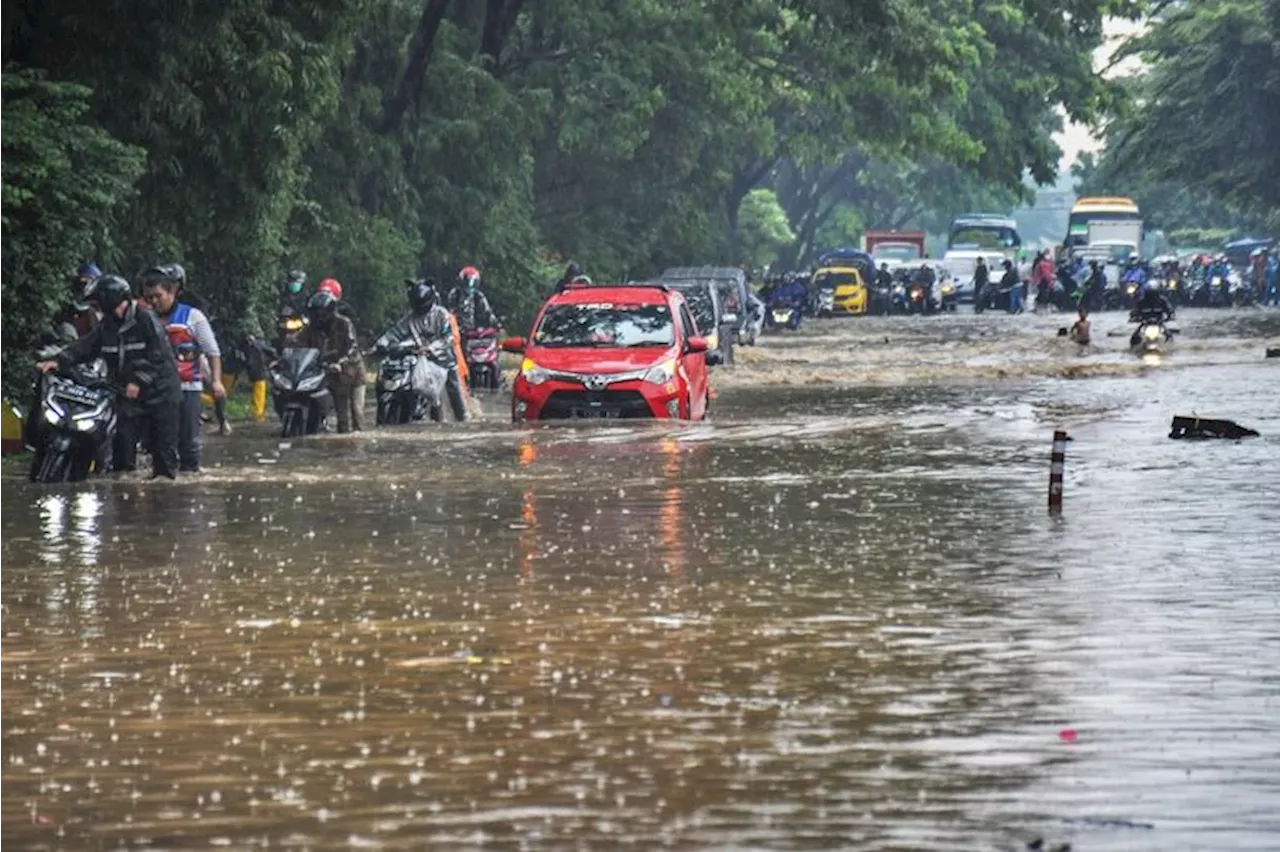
(830,619)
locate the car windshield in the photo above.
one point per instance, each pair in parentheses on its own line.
(700,305)
(985,236)
(831,280)
(897,251)
(605,324)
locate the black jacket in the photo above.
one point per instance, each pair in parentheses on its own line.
(136,350)
(981,275)
(472,309)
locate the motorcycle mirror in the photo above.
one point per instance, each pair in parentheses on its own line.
(513,344)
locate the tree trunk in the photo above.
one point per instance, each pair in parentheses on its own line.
(409,89)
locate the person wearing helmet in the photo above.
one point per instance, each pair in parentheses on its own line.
(335,336)
(194,344)
(572,272)
(429,321)
(76,314)
(291,307)
(140,360)
(1012,282)
(469,303)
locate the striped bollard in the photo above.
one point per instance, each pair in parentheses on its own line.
(1056,466)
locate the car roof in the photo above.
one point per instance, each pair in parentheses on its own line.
(627,294)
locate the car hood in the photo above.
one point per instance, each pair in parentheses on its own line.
(590,359)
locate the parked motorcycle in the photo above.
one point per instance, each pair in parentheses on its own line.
(302,396)
(410,384)
(482,359)
(74,426)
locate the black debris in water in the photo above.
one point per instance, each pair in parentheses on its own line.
(1195,428)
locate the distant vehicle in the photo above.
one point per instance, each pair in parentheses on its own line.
(961,263)
(985,232)
(894,248)
(703,297)
(847,288)
(611,352)
(731,291)
(1107,219)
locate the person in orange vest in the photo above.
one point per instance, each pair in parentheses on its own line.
(192,339)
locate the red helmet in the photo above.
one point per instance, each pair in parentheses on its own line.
(330,286)
(469,273)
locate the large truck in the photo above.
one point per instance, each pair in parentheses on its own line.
(894,247)
(1107,220)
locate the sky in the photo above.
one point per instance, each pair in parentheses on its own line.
(1078,138)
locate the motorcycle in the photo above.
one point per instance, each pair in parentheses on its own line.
(784,316)
(482,359)
(824,302)
(74,428)
(949,299)
(918,299)
(399,401)
(302,396)
(1151,335)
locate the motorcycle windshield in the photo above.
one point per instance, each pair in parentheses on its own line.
(297,364)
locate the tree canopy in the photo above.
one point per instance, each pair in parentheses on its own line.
(375,140)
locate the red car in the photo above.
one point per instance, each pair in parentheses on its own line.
(608,352)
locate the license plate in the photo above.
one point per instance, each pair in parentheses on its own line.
(597,413)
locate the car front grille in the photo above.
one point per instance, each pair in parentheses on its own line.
(592,405)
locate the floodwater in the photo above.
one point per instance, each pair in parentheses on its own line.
(836,617)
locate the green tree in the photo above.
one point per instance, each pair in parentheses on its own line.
(763,227)
(65,181)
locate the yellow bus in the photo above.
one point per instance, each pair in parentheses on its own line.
(1106,220)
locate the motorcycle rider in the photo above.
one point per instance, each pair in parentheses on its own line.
(1151,306)
(1013,283)
(981,279)
(76,314)
(192,339)
(469,304)
(335,336)
(292,302)
(573,272)
(1094,285)
(427,322)
(138,355)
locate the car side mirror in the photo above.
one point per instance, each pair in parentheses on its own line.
(513,344)
(696,344)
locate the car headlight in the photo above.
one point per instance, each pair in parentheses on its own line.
(660,374)
(533,374)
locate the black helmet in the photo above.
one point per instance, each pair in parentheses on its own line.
(107,292)
(422,295)
(321,307)
(167,272)
(573,270)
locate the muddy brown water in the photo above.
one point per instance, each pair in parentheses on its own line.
(836,617)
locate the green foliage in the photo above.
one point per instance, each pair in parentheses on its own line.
(1205,116)
(764,227)
(375,140)
(64,181)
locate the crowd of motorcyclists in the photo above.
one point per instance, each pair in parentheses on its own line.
(158,352)
(1043,282)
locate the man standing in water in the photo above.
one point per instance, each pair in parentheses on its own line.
(139,358)
(1013,284)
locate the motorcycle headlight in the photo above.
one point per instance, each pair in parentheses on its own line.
(279,382)
(660,374)
(51,417)
(1217,280)
(948,289)
(533,374)
(311,383)
(1151,332)
(1131,289)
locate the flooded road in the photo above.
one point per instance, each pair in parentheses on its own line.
(838,616)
